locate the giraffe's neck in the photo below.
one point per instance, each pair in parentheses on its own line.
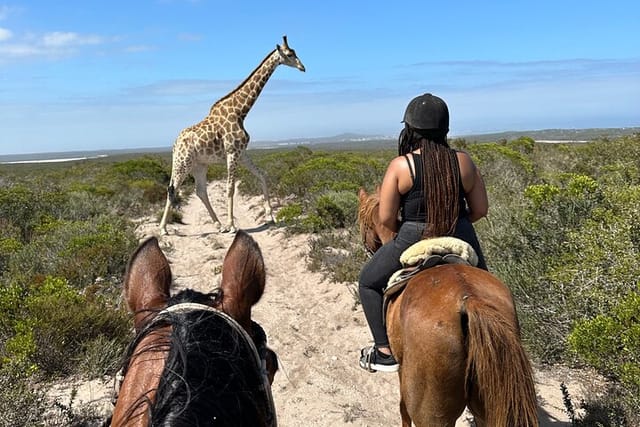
(245,95)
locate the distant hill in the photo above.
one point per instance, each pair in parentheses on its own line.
(555,135)
(351,141)
(358,141)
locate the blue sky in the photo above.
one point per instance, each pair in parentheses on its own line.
(78,75)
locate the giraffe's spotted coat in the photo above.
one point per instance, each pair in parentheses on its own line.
(221,136)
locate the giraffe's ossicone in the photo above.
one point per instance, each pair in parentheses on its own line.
(221,137)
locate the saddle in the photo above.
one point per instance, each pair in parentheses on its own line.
(425,254)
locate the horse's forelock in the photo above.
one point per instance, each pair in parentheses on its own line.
(213,352)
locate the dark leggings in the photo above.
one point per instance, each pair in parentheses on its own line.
(376,272)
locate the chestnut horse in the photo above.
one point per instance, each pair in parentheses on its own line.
(197,359)
(455,333)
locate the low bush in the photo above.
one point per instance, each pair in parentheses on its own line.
(339,254)
(80,251)
(337,209)
(56,327)
(22,402)
(611,342)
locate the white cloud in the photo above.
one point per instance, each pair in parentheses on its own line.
(53,45)
(64,39)
(19,51)
(5,34)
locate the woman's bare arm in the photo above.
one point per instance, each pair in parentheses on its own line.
(390,200)
(474,188)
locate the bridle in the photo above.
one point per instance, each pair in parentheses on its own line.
(376,240)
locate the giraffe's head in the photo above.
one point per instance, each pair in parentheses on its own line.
(288,56)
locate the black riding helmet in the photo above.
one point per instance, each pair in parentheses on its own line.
(427,112)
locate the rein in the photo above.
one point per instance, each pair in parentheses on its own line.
(376,240)
(260,361)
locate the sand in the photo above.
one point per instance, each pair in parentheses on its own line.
(314,325)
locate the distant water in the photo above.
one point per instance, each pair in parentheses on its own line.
(55,160)
(74,156)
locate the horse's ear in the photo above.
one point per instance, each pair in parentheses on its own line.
(147,281)
(243,278)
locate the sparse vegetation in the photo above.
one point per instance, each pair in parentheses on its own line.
(562,233)
(64,243)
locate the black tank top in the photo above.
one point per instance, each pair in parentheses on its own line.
(412,202)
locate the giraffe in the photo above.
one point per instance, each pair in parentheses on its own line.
(221,136)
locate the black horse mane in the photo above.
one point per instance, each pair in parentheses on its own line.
(211,375)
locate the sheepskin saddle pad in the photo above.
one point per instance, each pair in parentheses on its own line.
(428,253)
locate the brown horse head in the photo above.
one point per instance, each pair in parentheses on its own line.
(368,220)
(454,331)
(212,335)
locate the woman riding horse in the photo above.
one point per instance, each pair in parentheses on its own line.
(436,191)
(454,330)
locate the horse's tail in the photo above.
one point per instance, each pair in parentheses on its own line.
(498,367)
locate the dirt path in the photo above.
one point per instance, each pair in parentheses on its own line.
(311,323)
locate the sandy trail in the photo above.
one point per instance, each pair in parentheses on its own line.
(311,323)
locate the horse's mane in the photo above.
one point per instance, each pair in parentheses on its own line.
(366,211)
(210,371)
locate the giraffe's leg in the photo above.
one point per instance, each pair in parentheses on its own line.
(268,213)
(232,165)
(175,181)
(182,161)
(165,215)
(200,175)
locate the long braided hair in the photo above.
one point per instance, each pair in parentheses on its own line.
(440,178)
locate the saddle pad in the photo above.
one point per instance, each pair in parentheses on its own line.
(442,246)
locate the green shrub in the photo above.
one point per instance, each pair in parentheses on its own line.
(524,145)
(24,208)
(21,401)
(611,342)
(289,214)
(79,251)
(152,191)
(8,246)
(340,255)
(273,164)
(338,209)
(541,194)
(323,173)
(312,223)
(503,162)
(54,329)
(144,168)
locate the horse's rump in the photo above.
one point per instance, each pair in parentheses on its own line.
(455,332)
